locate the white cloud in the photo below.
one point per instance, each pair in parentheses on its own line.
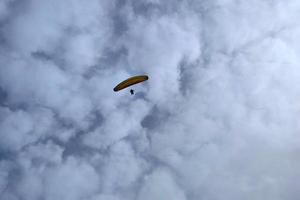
(160,185)
(158,50)
(20,128)
(218,118)
(121,170)
(72,180)
(4,173)
(117,125)
(4,9)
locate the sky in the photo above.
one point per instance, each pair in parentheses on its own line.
(219,117)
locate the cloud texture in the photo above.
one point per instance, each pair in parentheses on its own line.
(219,117)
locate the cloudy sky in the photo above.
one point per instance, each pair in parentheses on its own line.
(219,117)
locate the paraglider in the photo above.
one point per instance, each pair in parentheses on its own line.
(130,81)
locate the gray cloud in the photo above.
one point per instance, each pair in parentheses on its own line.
(218,118)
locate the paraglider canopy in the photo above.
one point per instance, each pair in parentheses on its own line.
(130,81)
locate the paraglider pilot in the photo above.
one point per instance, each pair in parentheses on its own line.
(132,92)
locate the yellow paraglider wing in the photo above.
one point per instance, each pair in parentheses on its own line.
(131,81)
